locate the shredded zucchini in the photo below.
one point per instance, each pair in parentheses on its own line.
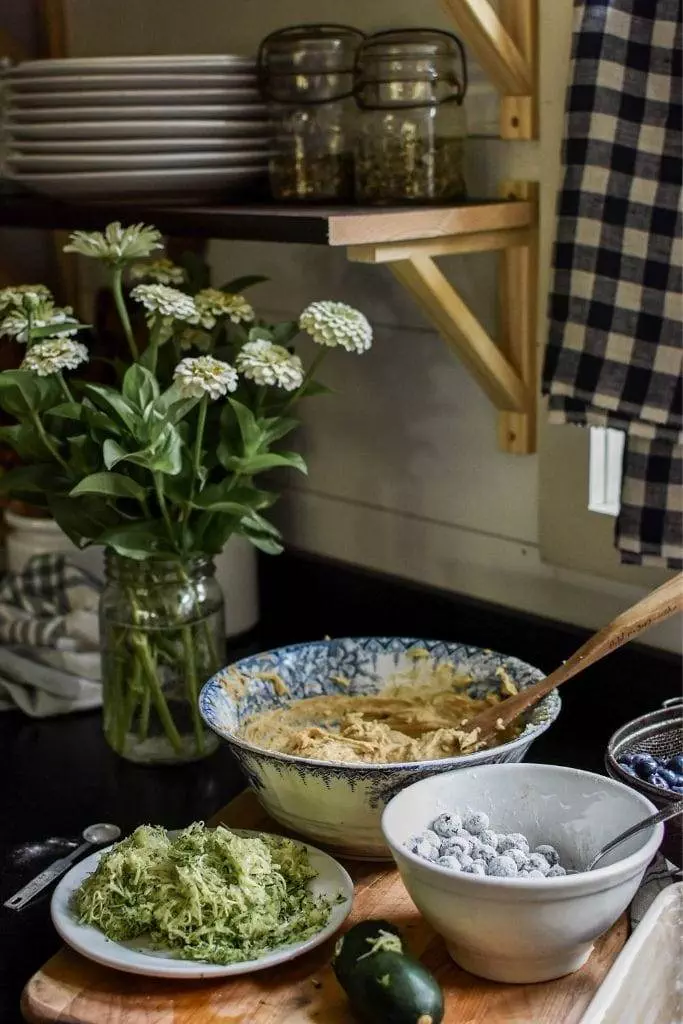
(204,894)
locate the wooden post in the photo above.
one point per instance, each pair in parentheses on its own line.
(519,114)
(518,329)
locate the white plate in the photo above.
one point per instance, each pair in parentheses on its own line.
(53,163)
(198,79)
(121,183)
(90,942)
(141,65)
(143,147)
(141,129)
(132,97)
(174,112)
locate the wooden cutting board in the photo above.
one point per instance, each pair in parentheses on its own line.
(72,990)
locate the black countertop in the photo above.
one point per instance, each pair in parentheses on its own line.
(58,775)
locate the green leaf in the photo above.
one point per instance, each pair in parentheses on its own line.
(212,530)
(40,478)
(52,331)
(85,455)
(314,387)
(260,333)
(112,485)
(115,405)
(284,332)
(136,540)
(277,427)
(173,406)
(240,284)
(216,496)
(112,452)
(267,460)
(97,422)
(257,523)
(249,428)
(22,392)
(267,544)
(28,445)
(66,411)
(82,519)
(140,386)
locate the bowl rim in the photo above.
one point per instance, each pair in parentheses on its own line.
(564,884)
(553,699)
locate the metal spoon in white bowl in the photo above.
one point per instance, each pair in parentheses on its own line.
(94,835)
(654,819)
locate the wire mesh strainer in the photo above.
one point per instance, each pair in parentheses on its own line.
(659,733)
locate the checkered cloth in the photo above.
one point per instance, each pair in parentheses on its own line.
(614,355)
(49,638)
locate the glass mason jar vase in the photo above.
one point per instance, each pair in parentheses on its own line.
(306,75)
(162,634)
(410,85)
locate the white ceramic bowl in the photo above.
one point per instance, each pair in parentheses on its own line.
(333,803)
(519,929)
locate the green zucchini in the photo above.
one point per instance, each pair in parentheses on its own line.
(384,984)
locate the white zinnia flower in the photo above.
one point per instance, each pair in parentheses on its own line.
(38,314)
(205,376)
(335,323)
(17,295)
(161,271)
(116,244)
(269,364)
(213,303)
(54,355)
(165,301)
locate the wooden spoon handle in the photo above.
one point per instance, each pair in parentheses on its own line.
(660,604)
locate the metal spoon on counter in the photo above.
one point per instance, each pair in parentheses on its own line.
(669,812)
(94,835)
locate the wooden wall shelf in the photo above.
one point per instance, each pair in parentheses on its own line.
(407,239)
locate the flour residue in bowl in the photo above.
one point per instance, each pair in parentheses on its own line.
(420,715)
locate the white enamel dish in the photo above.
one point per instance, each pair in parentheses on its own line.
(142,147)
(121,183)
(173,112)
(27,84)
(137,958)
(54,163)
(181,63)
(165,128)
(131,97)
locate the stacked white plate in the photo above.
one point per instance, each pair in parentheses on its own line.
(135,127)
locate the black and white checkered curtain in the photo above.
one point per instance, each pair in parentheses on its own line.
(614,354)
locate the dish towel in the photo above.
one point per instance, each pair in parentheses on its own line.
(660,874)
(49,638)
(614,356)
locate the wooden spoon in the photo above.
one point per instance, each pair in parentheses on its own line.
(655,607)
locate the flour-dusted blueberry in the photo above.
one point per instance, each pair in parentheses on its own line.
(475,822)
(477,867)
(556,871)
(534,873)
(447,824)
(537,862)
(502,867)
(430,836)
(550,854)
(520,858)
(456,845)
(486,852)
(513,840)
(489,838)
(450,862)
(426,850)
(466,862)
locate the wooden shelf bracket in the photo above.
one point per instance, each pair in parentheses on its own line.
(506,371)
(505,44)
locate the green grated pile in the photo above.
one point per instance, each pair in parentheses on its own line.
(204,894)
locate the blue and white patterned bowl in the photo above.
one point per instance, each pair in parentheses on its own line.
(332,803)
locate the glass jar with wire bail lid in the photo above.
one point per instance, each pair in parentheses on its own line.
(410,85)
(306,75)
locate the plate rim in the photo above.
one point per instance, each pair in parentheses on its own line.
(189,970)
